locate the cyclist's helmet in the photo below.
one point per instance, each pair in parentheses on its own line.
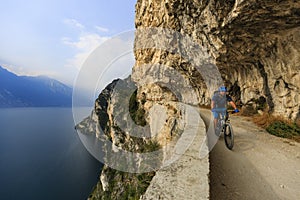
(222,89)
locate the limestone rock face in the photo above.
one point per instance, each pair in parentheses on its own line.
(254,44)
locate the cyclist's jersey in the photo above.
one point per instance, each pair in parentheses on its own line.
(221,101)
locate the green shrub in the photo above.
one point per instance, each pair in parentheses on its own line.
(278,126)
(283,129)
(137,113)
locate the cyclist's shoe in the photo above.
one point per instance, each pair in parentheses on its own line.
(236,110)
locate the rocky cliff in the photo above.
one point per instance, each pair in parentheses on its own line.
(255,46)
(184,49)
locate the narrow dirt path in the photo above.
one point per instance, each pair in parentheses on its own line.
(261,166)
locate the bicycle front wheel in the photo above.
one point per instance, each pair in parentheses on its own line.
(228,136)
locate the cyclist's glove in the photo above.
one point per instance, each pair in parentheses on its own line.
(236,110)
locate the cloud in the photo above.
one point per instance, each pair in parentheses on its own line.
(84,44)
(74,23)
(101,29)
(27,71)
(114,59)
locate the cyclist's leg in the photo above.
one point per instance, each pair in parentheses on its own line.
(217,127)
(216,116)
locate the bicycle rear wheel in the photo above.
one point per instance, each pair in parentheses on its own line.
(228,136)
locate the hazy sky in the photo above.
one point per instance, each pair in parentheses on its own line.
(54,37)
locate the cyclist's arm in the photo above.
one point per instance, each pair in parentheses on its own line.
(229,99)
(233,105)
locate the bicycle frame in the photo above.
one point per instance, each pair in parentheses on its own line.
(224,126)
(222,117)
(222,121)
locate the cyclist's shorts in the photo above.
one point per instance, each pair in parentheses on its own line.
(215,114)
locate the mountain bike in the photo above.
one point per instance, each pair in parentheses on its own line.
(224,127)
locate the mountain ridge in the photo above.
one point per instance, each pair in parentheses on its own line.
(31,91)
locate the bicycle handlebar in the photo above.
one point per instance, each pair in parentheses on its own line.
(222,110)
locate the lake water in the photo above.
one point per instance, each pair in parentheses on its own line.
(42,157)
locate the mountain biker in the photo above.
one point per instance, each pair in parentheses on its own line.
(219,100)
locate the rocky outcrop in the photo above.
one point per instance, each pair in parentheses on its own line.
(104,128)
(134,137)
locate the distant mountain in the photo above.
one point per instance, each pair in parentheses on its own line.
(28,91)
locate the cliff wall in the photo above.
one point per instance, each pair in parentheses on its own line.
(254,44)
